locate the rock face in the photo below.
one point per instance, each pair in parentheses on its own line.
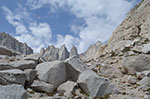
(13,92)
(13,76)
(51,54)
(138,63)
(6,51)
(63,53)
(77,63)
(91,52)
(11,43)
(74,52)
(134,30)
(94,85)
(67,88)
(41,86)
(49,71)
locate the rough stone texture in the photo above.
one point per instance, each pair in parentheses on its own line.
(11,43)
(51,54)
(41,86)
(23,64)
(4,66)
(94,85)
(31,75)
(77,63)
(33,57)
(145,81)
(74,52)
(146,48)
(63,53)
(13,92)
(52,72)
(137,63)
(6,51)
(13,76)
(67,88)
(91,52)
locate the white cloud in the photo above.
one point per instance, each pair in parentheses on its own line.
(101,17)
(42,31)
(36,35)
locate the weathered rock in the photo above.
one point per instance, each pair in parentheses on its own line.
(146,73)
(74,52)
(94,85)
(91,52)
(41,86)
(13,92)
(110,71)
(72,73)
(51,54)
(11,43)
(77,63)
(42,51)
(144,81)
(138,63)
(13,76)
(146,48)
(52,72)
(8,52)
(4,66)
(33,57)
(67,88)
(23,64)
(63,53)
(131,79)
(31,75)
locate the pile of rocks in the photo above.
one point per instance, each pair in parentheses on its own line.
(67,76)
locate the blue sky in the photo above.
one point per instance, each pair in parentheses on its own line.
(40,23)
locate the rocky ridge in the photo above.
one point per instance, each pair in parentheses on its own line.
(11,43)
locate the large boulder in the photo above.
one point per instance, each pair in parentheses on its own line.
(23,64)
(13,76)
(63,53)
(52,72)
(41,86)
(74,52)
(135,64)
(67,88)
(31,76)
(95,86)
(77,63)
(13,92)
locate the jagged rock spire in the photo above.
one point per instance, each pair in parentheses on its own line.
(63,53)
(74,52)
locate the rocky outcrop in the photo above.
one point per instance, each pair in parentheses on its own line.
(11,43)
(91,52)
(51,54)
(63,53)
(74,52)
(8,52)
(13,92)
